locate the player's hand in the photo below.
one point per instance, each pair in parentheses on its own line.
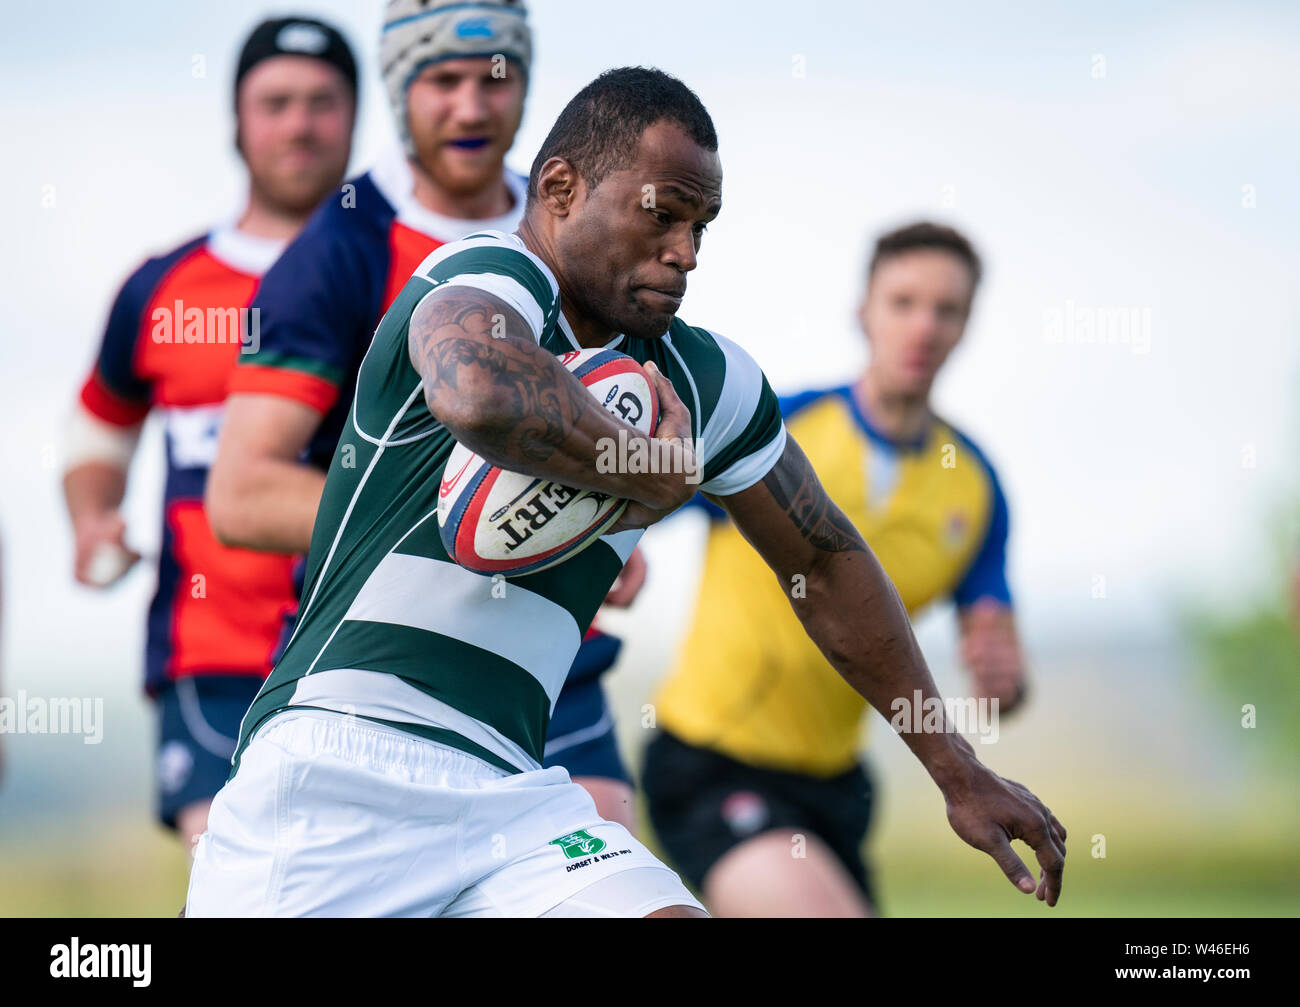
(102,556)
(991,653)
(988,811)
(673,446)
(996,675)
(629,582)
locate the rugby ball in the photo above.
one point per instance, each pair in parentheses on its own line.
(494,521)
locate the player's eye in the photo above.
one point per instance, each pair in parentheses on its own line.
(663,219)
(442,81)
(700,228)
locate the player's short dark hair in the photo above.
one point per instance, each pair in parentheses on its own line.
(924,234)
(599,129)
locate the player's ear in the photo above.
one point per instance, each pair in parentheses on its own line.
(557,186)
(862,317)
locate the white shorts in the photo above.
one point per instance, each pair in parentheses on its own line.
(330,815)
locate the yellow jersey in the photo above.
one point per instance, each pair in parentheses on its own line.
(748,682)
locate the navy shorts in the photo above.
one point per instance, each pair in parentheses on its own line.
(200,719)
(581,735)
(198,727)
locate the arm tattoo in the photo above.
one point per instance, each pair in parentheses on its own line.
(454,336)
(796,489)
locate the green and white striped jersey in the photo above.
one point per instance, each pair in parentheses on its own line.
(390,628)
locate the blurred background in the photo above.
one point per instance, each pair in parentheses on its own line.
(1106,158)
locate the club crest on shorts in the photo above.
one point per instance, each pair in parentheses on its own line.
(175,764)
(745,812)
(579,844)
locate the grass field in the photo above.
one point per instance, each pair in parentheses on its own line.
(1159,862)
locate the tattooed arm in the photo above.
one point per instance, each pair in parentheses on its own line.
(515,404)
(852,612)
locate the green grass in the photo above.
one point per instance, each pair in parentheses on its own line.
(1161,861)
(123,868)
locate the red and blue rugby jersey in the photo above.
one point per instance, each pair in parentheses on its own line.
(172,339)
(320,303)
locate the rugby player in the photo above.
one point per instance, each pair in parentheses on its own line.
(758,734)
(391,763)
(173,336)
(456,76)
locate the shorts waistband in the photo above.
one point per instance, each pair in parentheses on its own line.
(369,743)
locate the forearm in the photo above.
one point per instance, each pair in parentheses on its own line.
(873,647)
(513,403)
(93,489)
(97,456)
(267,504)
(847,604)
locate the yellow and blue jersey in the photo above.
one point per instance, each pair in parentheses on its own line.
(748,681)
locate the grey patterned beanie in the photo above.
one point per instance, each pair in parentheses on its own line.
(419,32)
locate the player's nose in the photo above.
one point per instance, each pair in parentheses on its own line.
(298,120)
(471,105)
(680,251)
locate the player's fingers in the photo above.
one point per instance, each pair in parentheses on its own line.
(629,582)
(1058,828)
(1012,866)
(663,387)
(670,403)
(1051,858)
(624,591)
(635,515)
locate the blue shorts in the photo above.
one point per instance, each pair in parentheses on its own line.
(581,735)
(198,727)
(200,719)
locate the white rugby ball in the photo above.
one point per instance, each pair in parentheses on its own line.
(496,521)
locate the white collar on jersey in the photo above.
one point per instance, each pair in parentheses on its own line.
(241,251)
(393,176)
(567,329)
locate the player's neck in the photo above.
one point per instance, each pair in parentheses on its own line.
(263,219)
(493,200)
(899,417)
(587,331)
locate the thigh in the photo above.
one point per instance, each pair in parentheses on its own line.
(597,871)
(198,725)
(702,804)
(786,872)
(810,862)
(841,815)
(327,816)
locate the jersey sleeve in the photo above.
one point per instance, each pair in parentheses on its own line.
(495,265)
(788,405)
(315,309)
(114,392)
(987,576)
(745,436)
